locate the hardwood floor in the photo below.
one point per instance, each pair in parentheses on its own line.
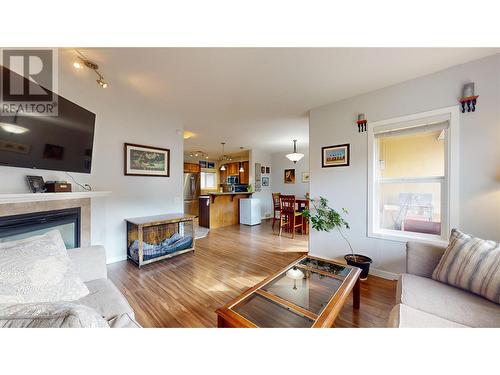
(186,290)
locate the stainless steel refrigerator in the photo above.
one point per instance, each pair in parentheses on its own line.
(191,193)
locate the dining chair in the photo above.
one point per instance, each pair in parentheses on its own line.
(302,204)
(288,215)
(276,208)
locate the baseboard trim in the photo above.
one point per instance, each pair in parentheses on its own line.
(384,274)
(116,259)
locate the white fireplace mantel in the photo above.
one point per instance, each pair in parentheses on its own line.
(40,197)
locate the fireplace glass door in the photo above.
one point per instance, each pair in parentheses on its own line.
(18,227)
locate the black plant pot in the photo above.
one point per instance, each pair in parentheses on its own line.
(360,261)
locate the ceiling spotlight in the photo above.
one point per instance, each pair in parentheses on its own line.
(102,83)
(78,65)
(188,134)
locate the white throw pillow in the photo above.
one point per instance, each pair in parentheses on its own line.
(38,269)
(472,264)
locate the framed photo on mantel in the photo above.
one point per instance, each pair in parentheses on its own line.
(146,161)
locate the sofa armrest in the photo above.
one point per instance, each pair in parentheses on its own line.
(422,258)
(89,262)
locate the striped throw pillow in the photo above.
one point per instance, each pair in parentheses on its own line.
(472,264)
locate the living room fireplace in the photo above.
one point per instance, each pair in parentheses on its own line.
(67,221)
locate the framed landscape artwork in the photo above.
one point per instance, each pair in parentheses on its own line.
(335,156)
(265,181)
(146,161)
(289,176)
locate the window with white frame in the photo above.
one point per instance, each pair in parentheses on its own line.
(208,180)
(411,176)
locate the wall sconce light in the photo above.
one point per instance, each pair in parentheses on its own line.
(361,122)
(468,97)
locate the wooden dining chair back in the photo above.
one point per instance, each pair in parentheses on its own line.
(288,215)
(276,208)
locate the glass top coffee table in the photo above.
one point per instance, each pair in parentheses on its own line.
(309,293)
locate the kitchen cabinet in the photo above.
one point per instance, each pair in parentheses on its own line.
(191,168)
(232,169)
(223,176)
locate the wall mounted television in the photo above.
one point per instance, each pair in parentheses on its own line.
(62,143)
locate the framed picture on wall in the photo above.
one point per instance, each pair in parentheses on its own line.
(306,176)
(289,176)
(268,170)
(265,181)
(335,156)
(146,161)
(262,169)
(258,182)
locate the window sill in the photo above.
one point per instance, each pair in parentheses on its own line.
(406,236)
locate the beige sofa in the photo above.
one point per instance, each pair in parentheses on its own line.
(104,296)
(423,302)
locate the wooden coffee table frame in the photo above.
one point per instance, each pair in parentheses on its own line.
(228,318)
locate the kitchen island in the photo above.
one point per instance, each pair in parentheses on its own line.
(220,209)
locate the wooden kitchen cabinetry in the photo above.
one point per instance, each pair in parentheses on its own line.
(223,176)
(232,169)
(191,168)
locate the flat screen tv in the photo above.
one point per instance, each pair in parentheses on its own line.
(62,143)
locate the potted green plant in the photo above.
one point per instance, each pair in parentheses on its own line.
(324,218)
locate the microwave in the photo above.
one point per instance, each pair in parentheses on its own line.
(233,180)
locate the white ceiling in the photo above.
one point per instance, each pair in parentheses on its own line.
(259,97)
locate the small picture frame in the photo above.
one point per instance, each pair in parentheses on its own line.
(146,161)
(306,177)
(335,156)
(36,184)
(289,176)
(265,181)
(262,169)
(268,170)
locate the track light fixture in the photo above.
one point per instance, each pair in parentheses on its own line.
(81,62)
(198,154)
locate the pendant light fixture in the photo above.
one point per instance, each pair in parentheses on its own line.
(295,156)
(241,164)
(223,167)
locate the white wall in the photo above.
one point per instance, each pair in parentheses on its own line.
(479,156)
(279,163)
(265,195)
(122,115)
